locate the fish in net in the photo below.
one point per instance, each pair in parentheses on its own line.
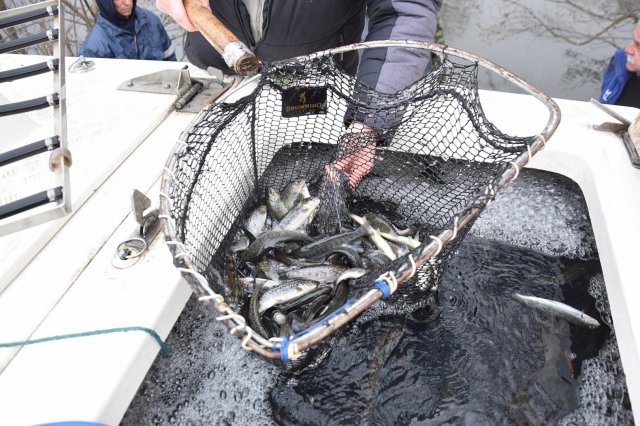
(431,164)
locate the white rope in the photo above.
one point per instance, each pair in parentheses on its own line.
(247,337)
(218,299)
(183,250)
(162,194)
(293,351)
(439,241)
(239,320)
(529,150)
(516,169)
(169,220)
(173,176)
(212,295)
(177,243)
(275,340)
(242,326)
(215,297)
(413,266)
(390,278)
(455,228)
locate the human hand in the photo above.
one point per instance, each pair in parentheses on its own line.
(175,9)
(357,152)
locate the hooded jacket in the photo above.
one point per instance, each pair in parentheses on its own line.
(615,78)
(141,36)
(299,27)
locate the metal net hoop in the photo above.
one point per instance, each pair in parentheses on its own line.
(224,160)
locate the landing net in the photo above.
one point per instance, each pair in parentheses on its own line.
(431,165)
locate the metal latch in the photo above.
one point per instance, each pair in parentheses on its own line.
(193,93)
(130,250)
(624,130)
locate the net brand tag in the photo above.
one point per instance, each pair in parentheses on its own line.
(298,101)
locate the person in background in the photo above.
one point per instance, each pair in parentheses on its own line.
(125,31)
(276,30)
(621,78)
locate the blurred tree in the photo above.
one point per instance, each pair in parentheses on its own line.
(577,23)
(583,27)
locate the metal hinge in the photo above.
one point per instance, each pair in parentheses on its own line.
(193,93)
(129,251)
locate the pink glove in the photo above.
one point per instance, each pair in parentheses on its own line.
(358,148)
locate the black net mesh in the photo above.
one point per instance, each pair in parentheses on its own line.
(432,157)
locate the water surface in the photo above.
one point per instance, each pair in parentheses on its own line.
(559,46)
(472,355)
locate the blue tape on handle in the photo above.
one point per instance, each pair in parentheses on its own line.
(384,288)
(284,349)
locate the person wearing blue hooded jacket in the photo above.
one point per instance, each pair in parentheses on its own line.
(125,31)
(621,78)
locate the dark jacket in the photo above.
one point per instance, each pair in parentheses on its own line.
(300,27)
(142,36)
(615,78)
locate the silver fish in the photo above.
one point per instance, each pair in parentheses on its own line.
(357,219)
(558,309)
(380,242)
(307,299)
(256,222)
(294,192)
(410,231)
(398,239)
(324,274)
(351,273)
(327,245)
(240,243)
(375,259)
(339,298)
(269,240)
(275,206)
(286,291)
(292,262)
(254,315)
(279,317)
(348,253)
(271,268)
(380,224)
(300,215)
(263,282)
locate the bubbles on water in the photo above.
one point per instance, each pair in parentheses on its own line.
(603,390)
(474,356)
(392,366)
(208,379)
(543,211)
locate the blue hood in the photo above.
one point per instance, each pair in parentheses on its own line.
(108,11)
(615,77)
